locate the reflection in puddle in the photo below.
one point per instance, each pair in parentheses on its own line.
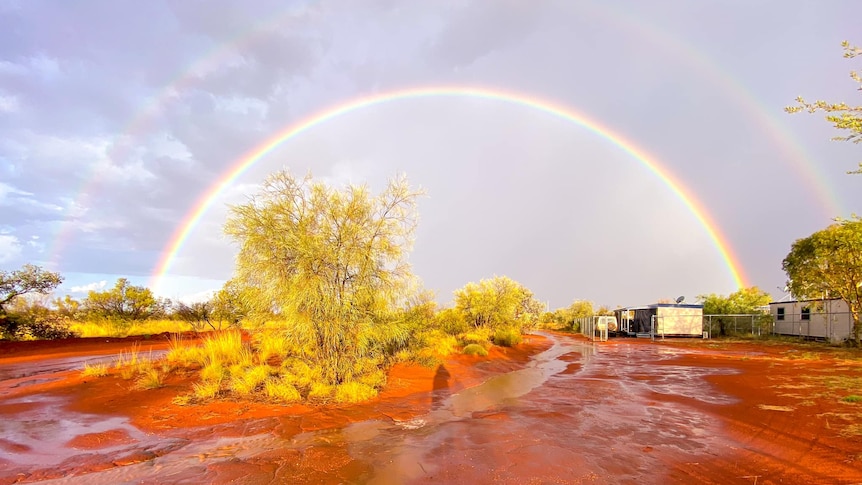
(560,422)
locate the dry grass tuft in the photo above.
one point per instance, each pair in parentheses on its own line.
(767,407)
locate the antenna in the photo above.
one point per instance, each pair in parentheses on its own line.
(680,299)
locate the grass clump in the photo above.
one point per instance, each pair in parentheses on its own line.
(320,391)
(353,392)
(207,389)
(281,390)
(95,370)
(271,345)
(853,398)
(507,337)
(248,380)
(480,336)
(151,379)
(475,349)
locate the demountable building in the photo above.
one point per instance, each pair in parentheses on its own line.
(661,319)
(826,319)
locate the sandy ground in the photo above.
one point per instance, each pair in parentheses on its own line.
(556,409)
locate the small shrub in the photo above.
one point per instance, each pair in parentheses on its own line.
(128,372)
(182,400)
(375,379)
(481,336)
(95,370)
(475,349)
(249,380)
(151,379)
(320,390)
(213,372)
(184,355)
(271,344)
(207,390)
(227,347)
(853,398)
(303,374)
(507,337)
(281,390)
(352,392)
(128,358)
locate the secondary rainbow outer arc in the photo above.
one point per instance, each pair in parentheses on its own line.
(799,158)
(615,17)
(142,121)
(191,220)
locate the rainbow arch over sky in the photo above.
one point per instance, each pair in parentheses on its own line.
(206,200)
(144,121)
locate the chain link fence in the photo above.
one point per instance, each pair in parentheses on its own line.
(737,325)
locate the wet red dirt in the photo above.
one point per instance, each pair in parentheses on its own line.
(556,409)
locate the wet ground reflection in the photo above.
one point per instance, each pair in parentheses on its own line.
(578,411)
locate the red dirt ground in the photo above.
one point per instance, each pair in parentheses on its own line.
(783,419)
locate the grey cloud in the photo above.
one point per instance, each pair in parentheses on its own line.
(477,29)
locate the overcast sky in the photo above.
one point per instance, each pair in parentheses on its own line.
(117,116)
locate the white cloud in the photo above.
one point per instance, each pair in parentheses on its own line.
(96,285)
(198,297)
(10,248)
(9,104)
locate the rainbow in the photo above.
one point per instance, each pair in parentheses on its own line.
(790,147)
(203,204)
(222,53)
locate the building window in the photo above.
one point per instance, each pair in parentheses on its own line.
(779,314)
(806,313)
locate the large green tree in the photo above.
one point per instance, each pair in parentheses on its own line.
(124,302)
(745,301)
(328,261)
(496,302)
(29,279)
(844,117)
(31,319)
(829,263)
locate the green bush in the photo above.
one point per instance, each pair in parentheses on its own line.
(475,349)
(451,321)
(852,398)
(507,337)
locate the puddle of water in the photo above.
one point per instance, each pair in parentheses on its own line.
(42,433)
(536,416)
(12,372)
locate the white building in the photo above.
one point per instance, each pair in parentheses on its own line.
(828,319)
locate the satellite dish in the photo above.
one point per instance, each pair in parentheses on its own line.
(680,300)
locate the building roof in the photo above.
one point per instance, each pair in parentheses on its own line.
(803,301)
(663,305)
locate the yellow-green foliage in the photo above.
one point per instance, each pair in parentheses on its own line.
(281,390)
(438,343)
(351,392)
(248,380)
(320,390)
(507,337)
(301,373)
(227,347)
(95,370)
(185,355)
(451,321)
(128,358)
(207,389)
(269,344)
(375,379)
(151,379)
(115,328)
(475,349)
(481,336)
